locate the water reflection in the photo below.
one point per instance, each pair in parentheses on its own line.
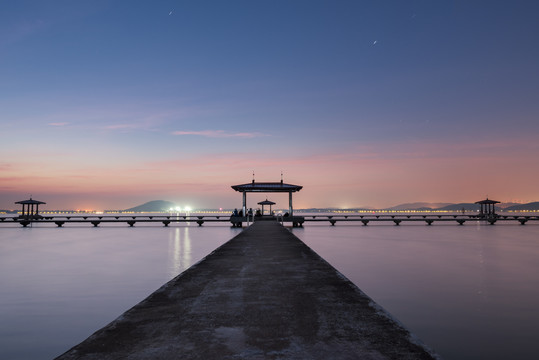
(179,250)
(186,248)
(59,285)
(467,291)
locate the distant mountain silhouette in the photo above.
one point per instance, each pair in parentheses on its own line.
(460,206)
(152,206)
(162,205)
(9,211)
(507,204)
(418,206)
(528,206)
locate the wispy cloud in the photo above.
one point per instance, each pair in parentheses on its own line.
(58,124)
(139,126)
(4,166)
(220,134)
(121,126)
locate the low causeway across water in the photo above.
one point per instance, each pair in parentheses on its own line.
(428,219)
(295,221)
(262,295)
(131,220)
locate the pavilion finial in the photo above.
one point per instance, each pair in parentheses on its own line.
(253,176)
(281,176)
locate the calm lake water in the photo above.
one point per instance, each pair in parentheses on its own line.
(59,285)
(469,292)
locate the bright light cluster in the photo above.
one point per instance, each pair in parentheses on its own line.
(179,209)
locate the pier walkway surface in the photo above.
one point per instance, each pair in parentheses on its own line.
(262,295)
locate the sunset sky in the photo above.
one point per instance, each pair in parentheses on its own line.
(109,104)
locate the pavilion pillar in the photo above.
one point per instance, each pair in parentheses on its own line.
(290,208)
(22,210)
(244,203)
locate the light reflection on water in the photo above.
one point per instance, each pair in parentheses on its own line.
(469,292)
(59,285)
(179,250)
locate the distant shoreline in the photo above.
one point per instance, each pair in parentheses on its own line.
(303,211)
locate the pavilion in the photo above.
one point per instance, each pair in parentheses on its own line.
(487,207)
(268,187)
(30,212)
(266,202)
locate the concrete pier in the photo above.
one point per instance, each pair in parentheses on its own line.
(262,295)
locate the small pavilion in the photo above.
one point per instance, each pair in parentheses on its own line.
(268,187)
(266,202)
(487,207)
(28,210)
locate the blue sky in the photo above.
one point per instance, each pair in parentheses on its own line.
(372,89)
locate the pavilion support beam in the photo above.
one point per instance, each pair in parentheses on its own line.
(244,203)
(290,208)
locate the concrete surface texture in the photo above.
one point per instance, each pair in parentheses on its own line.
(262,295)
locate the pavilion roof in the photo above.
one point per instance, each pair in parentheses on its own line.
(267,187)
(487,201)
(266,202)
(30,202)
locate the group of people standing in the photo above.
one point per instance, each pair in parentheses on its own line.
(258,213)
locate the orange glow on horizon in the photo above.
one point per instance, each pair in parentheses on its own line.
(373,176)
